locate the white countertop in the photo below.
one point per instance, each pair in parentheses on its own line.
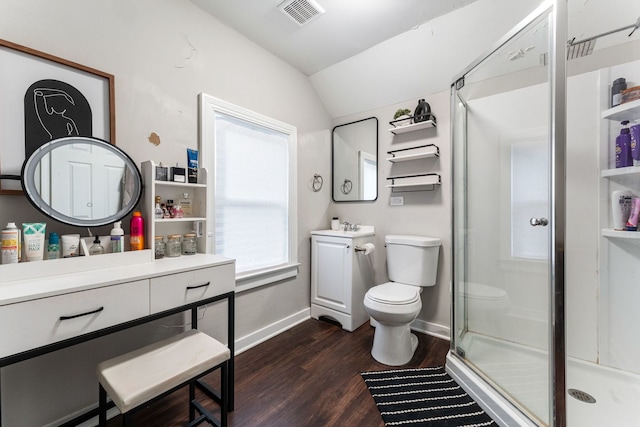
(41,279)
(365,230)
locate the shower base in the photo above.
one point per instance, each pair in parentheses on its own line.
(523,372)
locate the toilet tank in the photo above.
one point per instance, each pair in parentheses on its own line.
(412,260)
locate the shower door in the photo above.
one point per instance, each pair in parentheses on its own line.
(501,112)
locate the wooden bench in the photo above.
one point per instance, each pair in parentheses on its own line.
(154,371)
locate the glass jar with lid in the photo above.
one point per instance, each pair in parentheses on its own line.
(189,246)
(173,246)
(159,247)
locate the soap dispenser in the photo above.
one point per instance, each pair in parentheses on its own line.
(96,248)
(624,156)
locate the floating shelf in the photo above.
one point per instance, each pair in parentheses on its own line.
(628,111)
(184,219)
(413,153)
(180,184)
(412,127)
(619,234)
(429,180)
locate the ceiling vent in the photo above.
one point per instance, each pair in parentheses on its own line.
(301,11)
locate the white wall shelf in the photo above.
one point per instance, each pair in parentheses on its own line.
(619,172)
(414,153)
(175,220)
(421,182)
(628,111)
(413,127)
(180,184)
(173,190)
(620,234)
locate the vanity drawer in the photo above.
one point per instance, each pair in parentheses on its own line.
(31,324)
(175,290)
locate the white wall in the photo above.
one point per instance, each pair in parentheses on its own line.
(419,62)
(162,55)
(424,213)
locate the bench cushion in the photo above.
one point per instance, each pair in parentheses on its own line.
(138,376)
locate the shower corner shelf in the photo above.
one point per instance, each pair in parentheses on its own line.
(621,174)
(412,127)
(620,234)
(628,111)
(419,182)
(414,153)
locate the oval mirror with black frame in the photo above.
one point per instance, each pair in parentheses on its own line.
(82,181)
(354,161)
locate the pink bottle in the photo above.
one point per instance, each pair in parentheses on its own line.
(136,242)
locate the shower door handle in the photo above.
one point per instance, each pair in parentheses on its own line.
(539,221)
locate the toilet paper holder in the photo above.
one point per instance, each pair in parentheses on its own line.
(367,248)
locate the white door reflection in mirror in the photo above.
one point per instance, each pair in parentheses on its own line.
(76,167)
(368,165)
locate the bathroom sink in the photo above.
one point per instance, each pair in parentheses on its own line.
(365,230)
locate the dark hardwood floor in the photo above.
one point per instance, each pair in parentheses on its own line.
(305,377)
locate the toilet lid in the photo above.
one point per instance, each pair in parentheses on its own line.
(394,293)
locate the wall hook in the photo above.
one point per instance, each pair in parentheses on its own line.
(346,186)
(317,183)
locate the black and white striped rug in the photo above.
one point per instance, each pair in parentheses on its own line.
(423,397)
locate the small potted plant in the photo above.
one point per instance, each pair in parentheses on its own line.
(402,117)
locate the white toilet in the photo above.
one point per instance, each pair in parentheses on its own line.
(412,263)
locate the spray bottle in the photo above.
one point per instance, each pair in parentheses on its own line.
(137,232)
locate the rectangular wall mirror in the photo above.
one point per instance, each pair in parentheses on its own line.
(354,161)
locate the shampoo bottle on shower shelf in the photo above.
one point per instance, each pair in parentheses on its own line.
(623,148)
(621,208)
(632,222)
(136,242)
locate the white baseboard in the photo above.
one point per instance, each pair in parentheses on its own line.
(433,329)
(253,339)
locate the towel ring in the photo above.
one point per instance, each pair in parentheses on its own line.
(346,187)
(317,183)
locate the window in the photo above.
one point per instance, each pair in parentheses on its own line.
(251,162)
(529,197)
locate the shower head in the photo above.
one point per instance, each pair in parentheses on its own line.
(580,49)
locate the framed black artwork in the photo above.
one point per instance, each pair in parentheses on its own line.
(42,98)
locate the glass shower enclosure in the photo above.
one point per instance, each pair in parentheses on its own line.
(545,292)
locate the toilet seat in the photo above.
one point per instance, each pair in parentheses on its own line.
(394,294)
(480,291)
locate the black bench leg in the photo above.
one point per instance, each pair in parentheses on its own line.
(192,397)
(224,386)
(102,406)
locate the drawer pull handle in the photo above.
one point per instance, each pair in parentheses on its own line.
(199,286)
(97,310)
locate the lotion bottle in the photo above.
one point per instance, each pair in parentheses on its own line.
(117,237)
(53,248)
(10,244)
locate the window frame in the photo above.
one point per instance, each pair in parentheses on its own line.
(209,106)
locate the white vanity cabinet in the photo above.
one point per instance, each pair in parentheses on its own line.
(340,276)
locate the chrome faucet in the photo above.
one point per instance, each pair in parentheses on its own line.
(351,227)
